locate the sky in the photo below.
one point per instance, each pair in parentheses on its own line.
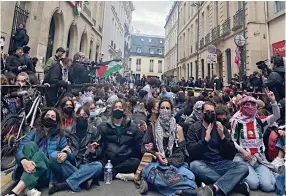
(149,17)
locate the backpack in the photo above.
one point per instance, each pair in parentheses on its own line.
(26,39)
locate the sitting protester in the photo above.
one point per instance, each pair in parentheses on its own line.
(121,142)
(247,132)
(93,118)
(83,140)
(67,110)
(211,150)
(222,115)
(165,140)
(195,116)
(40,157)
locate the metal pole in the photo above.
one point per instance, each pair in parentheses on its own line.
(243,48)
(198,37)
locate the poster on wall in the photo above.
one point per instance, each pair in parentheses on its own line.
(279,47)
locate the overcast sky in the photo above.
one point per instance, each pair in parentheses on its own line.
(149,17)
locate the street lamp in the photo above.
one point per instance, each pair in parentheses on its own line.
(198,5)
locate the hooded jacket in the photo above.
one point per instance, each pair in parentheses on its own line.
(120,147)
(276,82)
(19,38)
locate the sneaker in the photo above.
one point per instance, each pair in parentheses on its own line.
(143,188)
(278,162)
(11,194)
(32,192)
(205,191)
(59,187)
(242,188)
(87,184)
(126,177)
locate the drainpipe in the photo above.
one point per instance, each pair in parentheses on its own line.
(177,77)
(267,31)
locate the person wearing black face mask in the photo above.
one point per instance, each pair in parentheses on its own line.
(211,150)
(84,142)
(222,115)
(42,150)
(125,153)
(67,107)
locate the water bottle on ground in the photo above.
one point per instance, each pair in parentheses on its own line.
(108,173)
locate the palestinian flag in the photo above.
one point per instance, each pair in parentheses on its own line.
(77,8)
(107,68)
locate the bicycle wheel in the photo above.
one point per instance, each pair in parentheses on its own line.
(10,126)
(8,159)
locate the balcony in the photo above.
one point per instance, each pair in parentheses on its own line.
(202,43)
(226,26)
(86,10)
(207,38)
(100,29)
(215,33)
(238,19)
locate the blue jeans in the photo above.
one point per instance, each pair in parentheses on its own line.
(188,181)
(259,176)
(281,144)
(224,174)
(280,184)
(59,171)
(83,173)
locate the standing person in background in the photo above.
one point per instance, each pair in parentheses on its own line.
(19,37)
(78,71)
(143,80)
(54,59)
(28,60)
(15,63)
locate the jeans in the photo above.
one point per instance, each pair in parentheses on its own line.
(224,174)
(281,144)
(280,184)
(187,183)
(259,176)
(83,173)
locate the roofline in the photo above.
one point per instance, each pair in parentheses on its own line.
(176,3)
(146,35)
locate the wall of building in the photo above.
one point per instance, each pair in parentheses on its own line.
(86,28)
(171,36)
(219,15)
(144,67)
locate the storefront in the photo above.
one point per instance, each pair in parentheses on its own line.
(279,47)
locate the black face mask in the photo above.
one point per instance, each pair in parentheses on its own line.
(118,114)
(68,110)
(209,117)
(81,125)
(48,122)
(224,122)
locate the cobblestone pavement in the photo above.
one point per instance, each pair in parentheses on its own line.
(119,188)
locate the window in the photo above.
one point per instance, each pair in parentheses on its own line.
(142,40)
(151,51)
(280,5)
(160,66)
(114,46)
(138,50)
(151,68)
(130,62)
(216,13)
(150,40)
(227,9)
(203,67)
(239,5)
(111,43)
(161,42)
(138,65)
(159,51)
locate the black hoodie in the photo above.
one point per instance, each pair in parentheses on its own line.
(276,82)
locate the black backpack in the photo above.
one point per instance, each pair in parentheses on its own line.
(26,39)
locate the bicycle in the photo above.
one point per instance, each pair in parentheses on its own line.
(17,125)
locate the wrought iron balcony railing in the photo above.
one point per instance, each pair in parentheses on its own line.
(86,10)
(207,38)
(238,19)
(226,26)
(215,33)
(202,43)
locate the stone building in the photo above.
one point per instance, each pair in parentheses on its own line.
(117,23)
(53,24)
(146,56)
(276,25)
(219,23)
(171,36)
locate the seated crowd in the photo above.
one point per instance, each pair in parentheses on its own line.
(179,144)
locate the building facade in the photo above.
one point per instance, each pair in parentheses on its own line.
(53,24)
(171,37)
(146,56)
(117,25)
(276,27)
(217,23)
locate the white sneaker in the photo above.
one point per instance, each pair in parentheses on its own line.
(33,192)
(125,177)
(277,162)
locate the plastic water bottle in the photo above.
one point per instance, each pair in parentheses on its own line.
(108,173)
